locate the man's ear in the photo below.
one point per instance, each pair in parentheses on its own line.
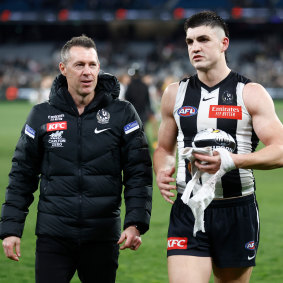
(225,43)
(62,68)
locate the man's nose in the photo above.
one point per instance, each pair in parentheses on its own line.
(86,70)
(196,47)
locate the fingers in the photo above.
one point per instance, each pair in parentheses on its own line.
(167,195)
(9,244)
(209,164)
(163,182)
(132,243)
(131,238)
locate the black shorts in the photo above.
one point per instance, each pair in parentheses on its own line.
(231,235)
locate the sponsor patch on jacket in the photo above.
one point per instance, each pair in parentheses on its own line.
(58,117)
(225,112)
(56,139)
(250,245)
(187,111)
(29,131)
(131,127)
(57,126)
(177,243)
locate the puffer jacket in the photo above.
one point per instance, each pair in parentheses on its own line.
(82,163)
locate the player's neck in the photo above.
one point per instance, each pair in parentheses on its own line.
(213,76)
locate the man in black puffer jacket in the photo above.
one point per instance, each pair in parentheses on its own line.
(78,144)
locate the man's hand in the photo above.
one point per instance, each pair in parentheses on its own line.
(163,180)
(221,159)
(206,163)
(131,236)
(9,244)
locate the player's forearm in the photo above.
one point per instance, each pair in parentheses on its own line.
(163,160)
(270,157)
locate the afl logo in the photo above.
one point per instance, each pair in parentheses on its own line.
(187,111)
(250,245)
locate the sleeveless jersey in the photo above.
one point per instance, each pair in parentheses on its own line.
(199,107)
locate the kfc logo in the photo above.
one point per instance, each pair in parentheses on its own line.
(56,126)
(177,243)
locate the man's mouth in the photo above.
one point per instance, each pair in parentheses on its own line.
(197,57)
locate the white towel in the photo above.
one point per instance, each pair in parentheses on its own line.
(203,194)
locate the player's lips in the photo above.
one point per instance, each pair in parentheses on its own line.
(197,57)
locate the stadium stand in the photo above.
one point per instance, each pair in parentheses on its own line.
(29,52)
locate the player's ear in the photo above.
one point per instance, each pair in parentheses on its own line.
(62,68)
(225,43)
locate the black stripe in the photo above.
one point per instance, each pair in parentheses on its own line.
(231,182)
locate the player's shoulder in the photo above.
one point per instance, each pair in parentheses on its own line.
(256,97)
(254,90)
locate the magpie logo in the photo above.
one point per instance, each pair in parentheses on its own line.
(96,131)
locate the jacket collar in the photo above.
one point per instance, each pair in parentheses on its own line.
(107,89)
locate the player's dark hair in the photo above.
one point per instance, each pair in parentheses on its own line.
(83,41)
(206,18)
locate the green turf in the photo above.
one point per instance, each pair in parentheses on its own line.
(148,264)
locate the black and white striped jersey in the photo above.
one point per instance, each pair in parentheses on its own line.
(198,107)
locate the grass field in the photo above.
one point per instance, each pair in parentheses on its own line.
(148,264)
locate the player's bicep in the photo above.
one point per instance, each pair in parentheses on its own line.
(266,123)
(167,133)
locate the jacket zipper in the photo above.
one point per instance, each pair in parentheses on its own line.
(80,176)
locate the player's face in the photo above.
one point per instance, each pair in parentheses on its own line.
(206,46)
(81,70)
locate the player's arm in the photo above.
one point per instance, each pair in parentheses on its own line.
(268,128)
(164,156)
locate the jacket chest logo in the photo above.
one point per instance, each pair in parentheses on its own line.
(103,116)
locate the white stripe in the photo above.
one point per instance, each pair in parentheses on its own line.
(203,111)
(132,129)
(181,171)
(244,141)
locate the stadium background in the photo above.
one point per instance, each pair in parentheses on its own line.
(147,35)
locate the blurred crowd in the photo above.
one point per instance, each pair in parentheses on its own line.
(112,5)
(261,61)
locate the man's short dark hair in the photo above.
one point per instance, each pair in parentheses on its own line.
(83,41)
(206,18)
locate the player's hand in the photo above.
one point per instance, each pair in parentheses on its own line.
(206,163)
(131,238)
(11,246)
(163,180)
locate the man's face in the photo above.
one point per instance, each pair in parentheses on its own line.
(81,70)
(206,45)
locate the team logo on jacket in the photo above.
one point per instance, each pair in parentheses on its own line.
(56,139)
(250,245)
(187,111)
(177,243)
(103,116)
(57,126)
(225,112)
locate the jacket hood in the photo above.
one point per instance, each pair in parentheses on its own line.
(106,83)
